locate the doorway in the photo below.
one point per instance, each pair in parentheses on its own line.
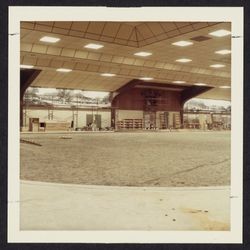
(97,119)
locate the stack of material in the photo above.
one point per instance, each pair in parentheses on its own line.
(163,121)
(177,120)
(34,124)
(137,124)
(130,124)
(57,126)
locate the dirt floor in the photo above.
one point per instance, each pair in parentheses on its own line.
(129,159)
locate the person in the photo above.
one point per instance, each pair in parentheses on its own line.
(203,125)
(93,126)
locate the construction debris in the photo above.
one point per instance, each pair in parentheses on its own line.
(30,142)
(65,137)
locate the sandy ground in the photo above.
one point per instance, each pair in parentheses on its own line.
(129,159)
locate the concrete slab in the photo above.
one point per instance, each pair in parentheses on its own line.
(50,206)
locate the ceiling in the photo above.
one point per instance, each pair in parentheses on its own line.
(121,40)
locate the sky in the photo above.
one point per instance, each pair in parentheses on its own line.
(91,94)
(210,102)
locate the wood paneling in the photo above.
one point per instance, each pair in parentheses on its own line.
(136,100)
(192,92)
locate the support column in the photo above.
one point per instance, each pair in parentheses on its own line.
(113,118)
(21,112)
(182,118)
(26,78)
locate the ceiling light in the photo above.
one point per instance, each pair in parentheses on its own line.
(220,33)
(200,84)
(179,82)
(182,43)
(217,66)
(49,39)
(225,87)
(22,66)
(107,74)
(223,52)
(63,70)
(183,60)
(146,78)
(93,46)
(143,53)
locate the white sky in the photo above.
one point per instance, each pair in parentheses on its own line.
(46,90)
(91,94)
(210,102)
(95,94)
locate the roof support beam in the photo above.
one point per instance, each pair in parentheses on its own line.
(192,92)
(26,78)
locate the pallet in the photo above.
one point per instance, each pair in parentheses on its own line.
(177,120)
(57,126)
(130,124)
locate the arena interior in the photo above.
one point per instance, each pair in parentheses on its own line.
(142,138)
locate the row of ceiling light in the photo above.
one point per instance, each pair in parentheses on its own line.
(64,70)
(218,33)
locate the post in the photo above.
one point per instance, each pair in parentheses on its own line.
(182,118)
(113,120)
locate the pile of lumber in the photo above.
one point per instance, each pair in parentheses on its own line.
(57,126)
(30,142)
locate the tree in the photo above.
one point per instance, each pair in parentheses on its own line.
(31,96)
(79,97)
(32,91)
(64,95)
(107,98)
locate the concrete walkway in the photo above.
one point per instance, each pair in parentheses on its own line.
(49,206)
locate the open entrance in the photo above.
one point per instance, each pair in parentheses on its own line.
(94,119)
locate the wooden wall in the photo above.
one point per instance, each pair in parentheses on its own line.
(135,100)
